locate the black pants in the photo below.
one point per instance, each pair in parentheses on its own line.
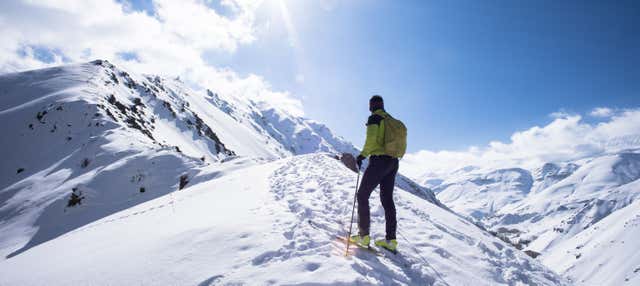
(381,171)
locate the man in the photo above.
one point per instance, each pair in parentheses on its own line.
(381,171)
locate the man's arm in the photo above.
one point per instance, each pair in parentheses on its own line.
(373,125)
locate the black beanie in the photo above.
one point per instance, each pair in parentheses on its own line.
(376,102)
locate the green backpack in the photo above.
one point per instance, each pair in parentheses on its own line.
(395,137)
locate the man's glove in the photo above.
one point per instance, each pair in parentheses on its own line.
(359,161)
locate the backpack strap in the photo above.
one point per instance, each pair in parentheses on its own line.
(374,119)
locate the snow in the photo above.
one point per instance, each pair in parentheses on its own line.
(251,225)
(553,209)
(479,195)
(599,187)
(604,254)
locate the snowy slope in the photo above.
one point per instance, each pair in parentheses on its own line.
(552,209)
(115,139)
(596,189)
(482,194)
(605,254)
(247,222)
(165,110)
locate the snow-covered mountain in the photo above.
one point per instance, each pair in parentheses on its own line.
(482,194)
(68,130)
(110,178)
(160,109)
(604,254)
(550,209)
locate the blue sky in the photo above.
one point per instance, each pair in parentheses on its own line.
(459,73)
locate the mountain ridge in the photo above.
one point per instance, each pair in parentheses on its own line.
(74,124)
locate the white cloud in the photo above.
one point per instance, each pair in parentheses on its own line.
(602,112)
(560,114)
(565,138)
(171,42)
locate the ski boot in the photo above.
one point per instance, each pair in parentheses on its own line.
(390,245)
(362,241)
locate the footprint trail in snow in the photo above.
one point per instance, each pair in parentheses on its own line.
(320,193)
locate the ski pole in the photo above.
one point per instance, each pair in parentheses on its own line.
(353,208)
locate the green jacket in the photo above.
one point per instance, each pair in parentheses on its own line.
(374,144)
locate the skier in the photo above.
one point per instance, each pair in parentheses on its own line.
(384,145)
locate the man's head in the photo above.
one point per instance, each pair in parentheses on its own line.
(376,103)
